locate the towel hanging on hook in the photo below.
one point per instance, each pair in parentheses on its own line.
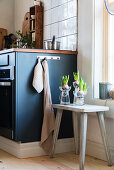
(49,118)
(38,77)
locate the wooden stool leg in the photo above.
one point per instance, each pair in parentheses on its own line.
(104,137)
(56,131)
(76,133)
(83,133)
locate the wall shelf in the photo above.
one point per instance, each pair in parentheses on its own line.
(36,25)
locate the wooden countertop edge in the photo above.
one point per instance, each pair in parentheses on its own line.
(38,51)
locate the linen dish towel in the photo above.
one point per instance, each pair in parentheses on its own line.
(49,118)
(38,77)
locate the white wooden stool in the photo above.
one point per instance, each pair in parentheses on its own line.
(83,110)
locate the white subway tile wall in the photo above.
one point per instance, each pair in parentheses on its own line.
(54,29)
(60,19)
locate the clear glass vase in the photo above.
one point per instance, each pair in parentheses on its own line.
(76,88)
(75,85)
(78,99)
(64,96)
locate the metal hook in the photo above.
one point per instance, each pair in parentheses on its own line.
(45,58)
(38,59)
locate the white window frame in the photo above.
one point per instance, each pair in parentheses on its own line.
(105,44)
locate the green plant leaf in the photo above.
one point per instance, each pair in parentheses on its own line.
(76,76)
(81,83)
(84,87)
(65,79)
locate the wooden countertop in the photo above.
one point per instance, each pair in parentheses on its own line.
(38,51)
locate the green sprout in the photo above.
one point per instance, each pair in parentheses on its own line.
(84,87)
(76,76)
(81,83)
(65,80)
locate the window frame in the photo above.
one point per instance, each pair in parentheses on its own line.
(105,45)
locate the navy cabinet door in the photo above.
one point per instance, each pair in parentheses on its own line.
(29,104)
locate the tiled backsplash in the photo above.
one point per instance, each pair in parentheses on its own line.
(60,19)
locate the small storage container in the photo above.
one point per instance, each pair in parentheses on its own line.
(104,89)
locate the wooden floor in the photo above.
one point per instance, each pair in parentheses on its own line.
(64,161)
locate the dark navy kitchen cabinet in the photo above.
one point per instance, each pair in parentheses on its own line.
(28,103)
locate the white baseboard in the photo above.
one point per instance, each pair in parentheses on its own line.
(97,150)
(25,150)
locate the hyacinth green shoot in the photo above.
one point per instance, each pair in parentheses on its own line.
(65,80)
(82,85)
(76,76)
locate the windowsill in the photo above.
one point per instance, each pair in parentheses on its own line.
(106,102)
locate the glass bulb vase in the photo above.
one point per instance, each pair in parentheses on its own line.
(64,96)
(78,100)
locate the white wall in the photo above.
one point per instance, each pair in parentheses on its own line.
(86,48)
(7,15)
(85,42)
(98,46)
(60,19)
(21,7)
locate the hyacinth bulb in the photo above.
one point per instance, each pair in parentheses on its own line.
(80,93)
(65,86)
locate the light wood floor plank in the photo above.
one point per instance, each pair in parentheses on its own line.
(63,161)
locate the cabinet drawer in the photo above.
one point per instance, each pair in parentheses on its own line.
(7,59)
